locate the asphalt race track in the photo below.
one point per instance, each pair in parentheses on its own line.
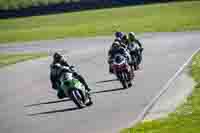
(29,105)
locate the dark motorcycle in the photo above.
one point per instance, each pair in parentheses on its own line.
(136,57)
(122,70)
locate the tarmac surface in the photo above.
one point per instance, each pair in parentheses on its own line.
(28,104)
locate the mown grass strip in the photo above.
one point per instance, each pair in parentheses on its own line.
(7,59)
(178,16)
(186,119)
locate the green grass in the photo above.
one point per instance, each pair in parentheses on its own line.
(7,59)
(186,119)
(178,16)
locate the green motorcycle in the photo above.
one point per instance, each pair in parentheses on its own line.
(74,89)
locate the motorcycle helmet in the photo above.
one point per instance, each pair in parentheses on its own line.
(131,36)
(124,37)
(119,34)
(57,57)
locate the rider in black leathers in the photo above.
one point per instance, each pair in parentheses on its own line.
(135,48)
(117,48)
(56,72)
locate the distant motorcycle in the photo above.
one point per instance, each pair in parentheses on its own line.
(122,70)
(136,57)
(74,89)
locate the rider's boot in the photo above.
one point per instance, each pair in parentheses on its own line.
(61,94)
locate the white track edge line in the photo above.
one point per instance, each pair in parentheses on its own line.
(165,87)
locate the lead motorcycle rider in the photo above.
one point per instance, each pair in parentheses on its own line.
(56,71)
(117,48)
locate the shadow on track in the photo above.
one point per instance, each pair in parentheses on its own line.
(49,102)
(104,91)
(68,109)
(64,100)
(55,111)
(105,81)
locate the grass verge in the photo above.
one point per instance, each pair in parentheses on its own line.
(186,119)
(177,16)
(7,59)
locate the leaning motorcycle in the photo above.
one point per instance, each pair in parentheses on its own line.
(122,70)
(136,55)
(74,89)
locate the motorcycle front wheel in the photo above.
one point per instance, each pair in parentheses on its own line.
(77,98)
(123,79)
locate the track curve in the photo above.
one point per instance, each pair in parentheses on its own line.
(28,104)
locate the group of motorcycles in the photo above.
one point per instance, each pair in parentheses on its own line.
(123,70)
(76,91)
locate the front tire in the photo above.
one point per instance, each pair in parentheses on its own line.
(123,80)
(124,84)
(90,102)
(77,98)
